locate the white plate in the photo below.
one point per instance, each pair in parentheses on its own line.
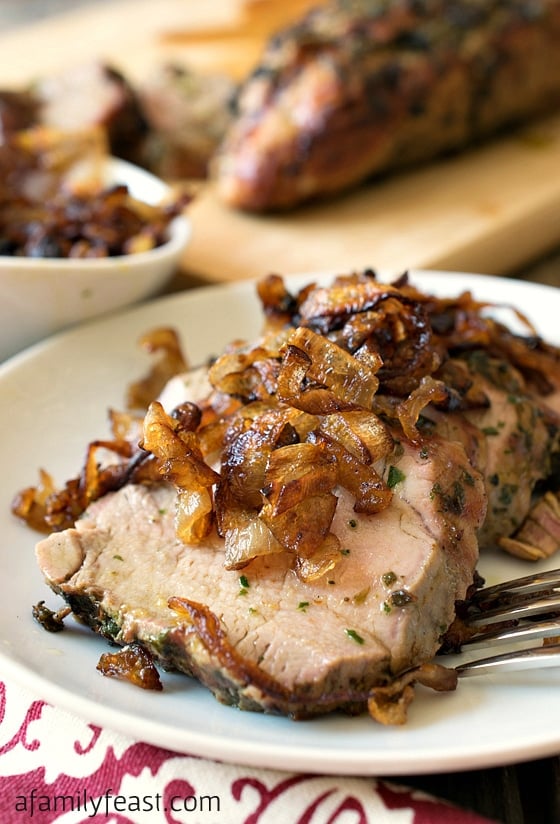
(54,400)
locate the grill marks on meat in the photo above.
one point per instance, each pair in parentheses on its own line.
(359,88)
(271,642)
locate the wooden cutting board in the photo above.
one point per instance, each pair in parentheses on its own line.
(490,210)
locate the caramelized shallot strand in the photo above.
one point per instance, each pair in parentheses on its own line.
(165,342)
(131,663)
(180,462)
(245,374)
(370,492)
(409,410)
(247,539)
(303,528)
(349,295)
(295,473)
(320,377)
(388,704)
(47,508)
(31,504)
(361,433)
(277,303)
(313,565)
(300,504)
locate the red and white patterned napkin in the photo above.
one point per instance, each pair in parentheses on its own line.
(55,767)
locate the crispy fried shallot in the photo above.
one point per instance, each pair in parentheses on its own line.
(31,504)
(247,375)
(278,305)
(131,663)
(180,462)
(50,620)
(295,473)
(319,377)
(165,343)
(248,538)
(361,479)
(371,319)
(408,411)
(47,509)
(389,704)
(364,435)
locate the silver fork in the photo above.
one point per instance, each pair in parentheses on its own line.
(521,610)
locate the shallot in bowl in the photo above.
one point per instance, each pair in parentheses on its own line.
(41,295)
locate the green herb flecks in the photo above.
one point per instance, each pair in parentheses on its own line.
(361,596)
(351,633)
(395,476)
(507,492)
(452,501)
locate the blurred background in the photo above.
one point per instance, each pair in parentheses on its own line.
(16,12)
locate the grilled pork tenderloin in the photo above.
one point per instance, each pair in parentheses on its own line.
(356,89)
(253,628)
(280,644)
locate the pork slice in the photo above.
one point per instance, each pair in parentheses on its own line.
(517,454)
(90,95)
(263,639)
(512,442)
(187,114)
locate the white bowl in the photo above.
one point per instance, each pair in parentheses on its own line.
(40,296)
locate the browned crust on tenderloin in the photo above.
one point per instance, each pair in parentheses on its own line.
(252,687)
(358,89)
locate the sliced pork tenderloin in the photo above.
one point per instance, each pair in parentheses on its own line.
(264,639)
(275,642)
(423,446)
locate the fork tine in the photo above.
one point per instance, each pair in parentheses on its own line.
(520,598)
(514,609)
(520,632)
(533,658)
(539,580)
(522,609)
